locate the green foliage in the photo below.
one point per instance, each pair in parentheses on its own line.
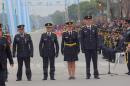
(58,17)
(72,11)
(86,8)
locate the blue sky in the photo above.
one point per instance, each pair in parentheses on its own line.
(46,7)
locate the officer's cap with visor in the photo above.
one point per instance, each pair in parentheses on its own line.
(48,25)
(69,23)
(20,27)
(88,17)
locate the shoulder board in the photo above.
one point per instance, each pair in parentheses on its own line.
(64,31)
(83,26)
(53,32)
(43,33)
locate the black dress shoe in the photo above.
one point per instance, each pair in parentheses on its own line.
(44,79)
(73,78)
(128,73)
(18,80)
(88,78)
(70,78)
(97,77)
(53,79)
(29,80)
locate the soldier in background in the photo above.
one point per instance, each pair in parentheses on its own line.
(5,53)
(49,49)
(127,42)
(4,35)
(24,46)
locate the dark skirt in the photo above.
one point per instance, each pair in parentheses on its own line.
(70,54)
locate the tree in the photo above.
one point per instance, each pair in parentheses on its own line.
(58,17)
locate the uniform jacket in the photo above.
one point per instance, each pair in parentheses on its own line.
(48,46)
(23,46)
(89,38)
(70,39)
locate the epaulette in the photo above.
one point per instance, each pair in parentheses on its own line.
(95,25)
(83,26)
(64,31)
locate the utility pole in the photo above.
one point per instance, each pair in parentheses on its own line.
(108,11)
(78,13)
(3,16)
(66,11)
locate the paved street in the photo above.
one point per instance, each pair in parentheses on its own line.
(61,72)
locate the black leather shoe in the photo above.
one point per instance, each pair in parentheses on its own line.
(44,79)
(53,79)
(29,80)
(128,73)
(97,77)
(18,80)
(88,78)
(73,78)
(70,78)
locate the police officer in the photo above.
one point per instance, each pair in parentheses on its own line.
(5,53)
(24,46)
(49,49)
(89,36)
(70,48)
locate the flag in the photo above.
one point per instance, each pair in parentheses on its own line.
(10,16)
(23,14)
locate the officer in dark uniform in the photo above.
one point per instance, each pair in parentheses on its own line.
(5,53)
(24,46)
(89,36)
(100,41)
(49,49)
(127,44)
(70,48)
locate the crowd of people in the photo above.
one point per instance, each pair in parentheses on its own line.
(112,37)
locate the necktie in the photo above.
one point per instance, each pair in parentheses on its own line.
(49,33)
(89,28)
(70,33)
